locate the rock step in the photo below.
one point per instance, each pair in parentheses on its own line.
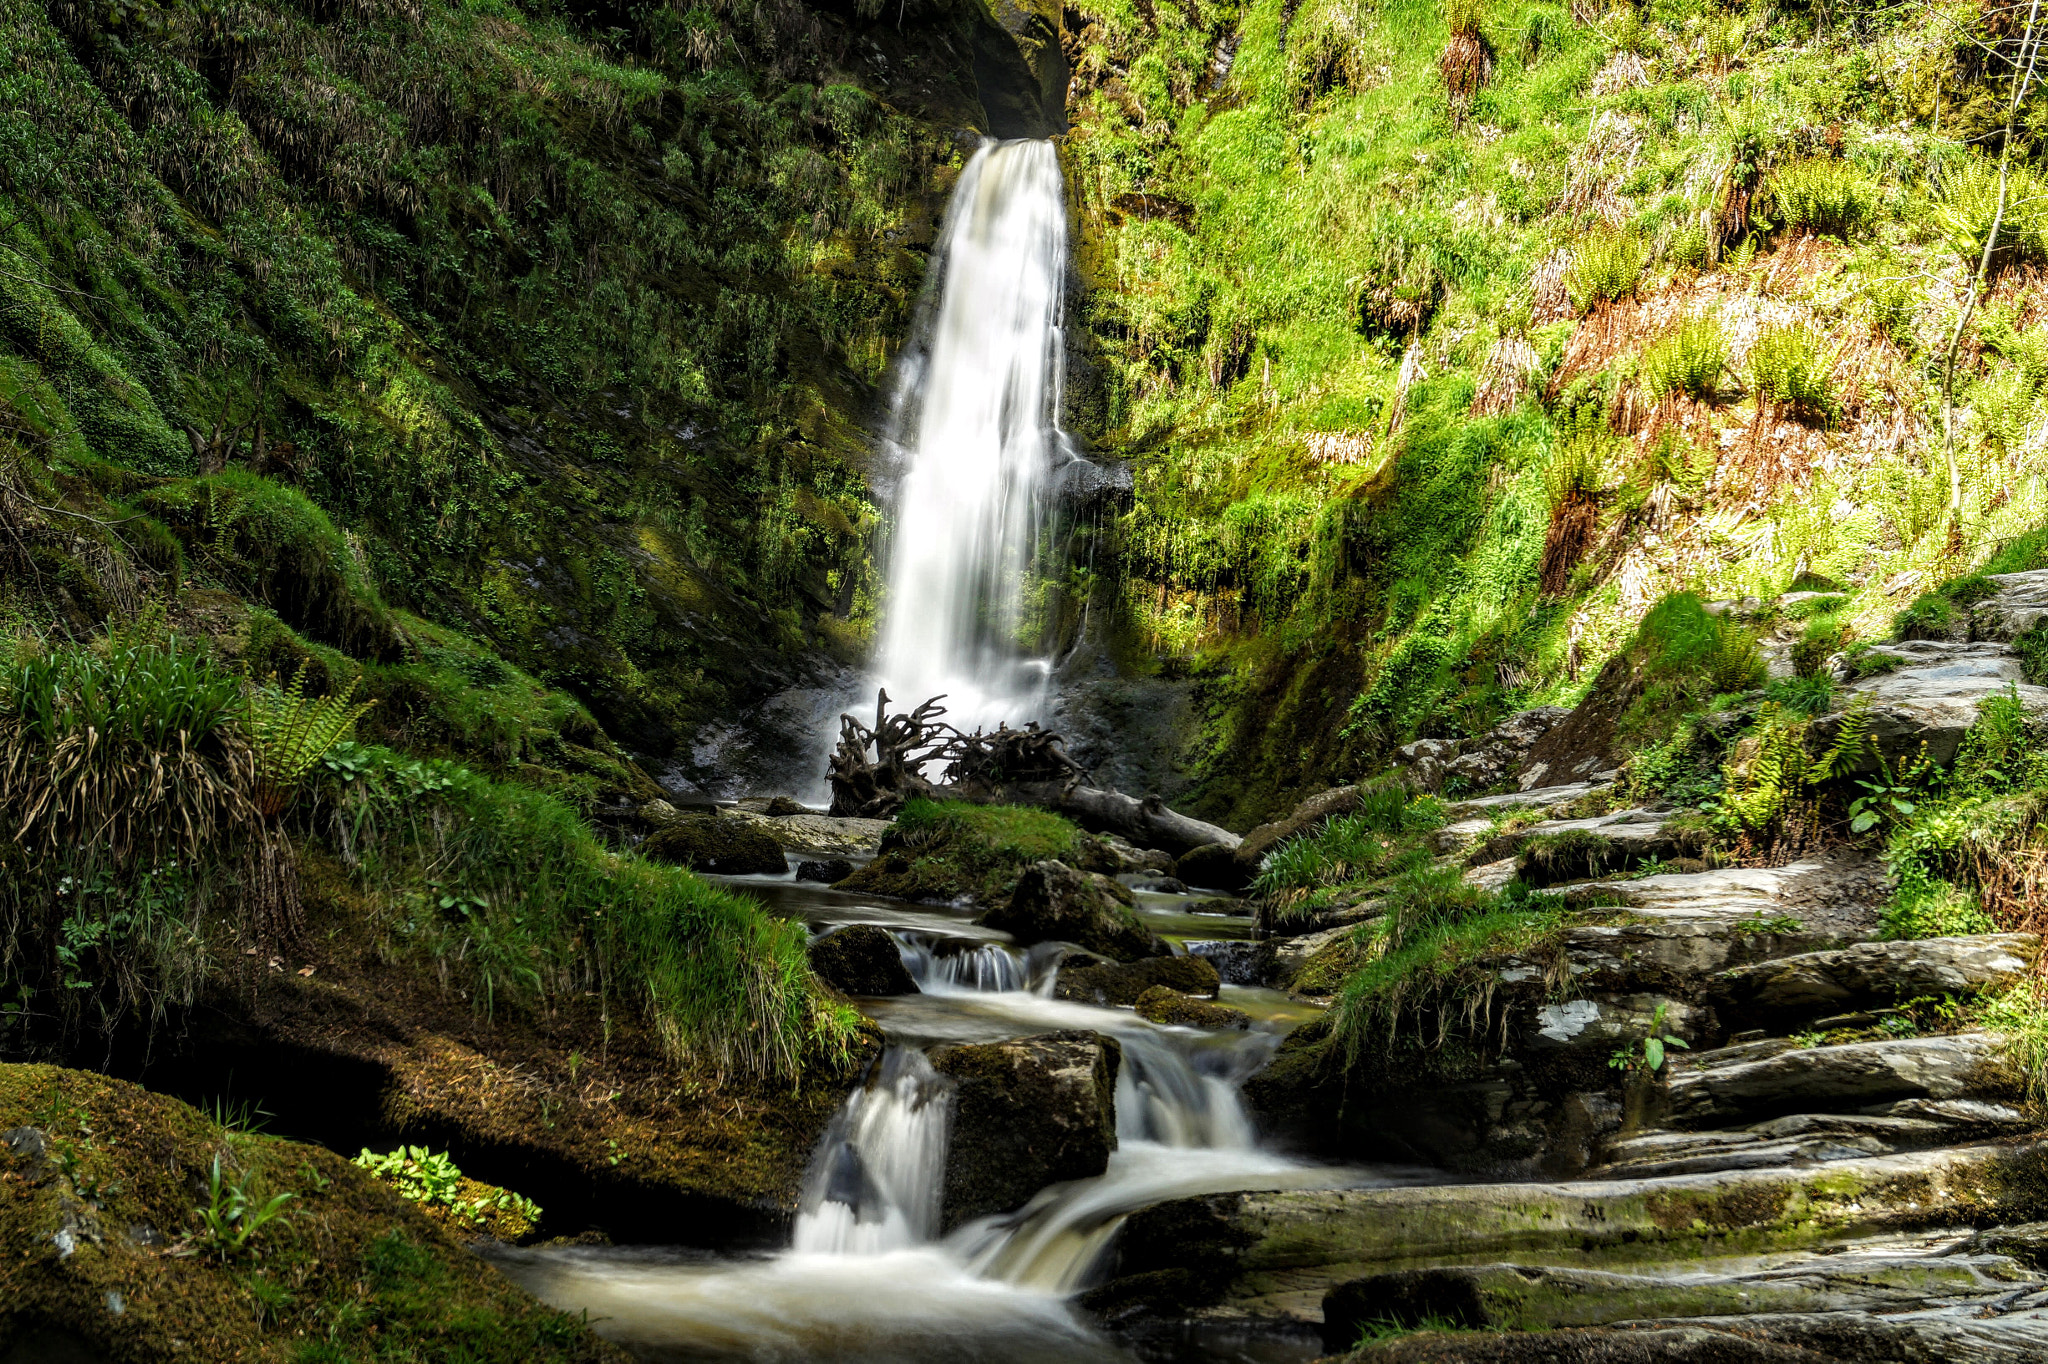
(1808,1138)
(1930,697)
(1881,1276)
(1272,1256)
(1768,1079)
(1611,842)
(1795,989)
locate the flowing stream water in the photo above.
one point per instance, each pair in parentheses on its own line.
(868,1278)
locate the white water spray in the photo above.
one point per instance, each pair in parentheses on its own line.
(976,424)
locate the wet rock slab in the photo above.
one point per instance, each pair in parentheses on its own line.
(1272,1256)
(1780,1077)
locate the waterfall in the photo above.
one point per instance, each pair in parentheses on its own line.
(948,966)
(975,425)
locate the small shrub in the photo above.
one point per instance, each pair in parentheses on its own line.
(1824,637)
(1967,206)
(1688,359)
(1791,368)
(1823,195)
(1606,264)
(431,1179)
(235,1213)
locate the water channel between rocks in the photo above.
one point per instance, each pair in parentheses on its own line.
(868,1278)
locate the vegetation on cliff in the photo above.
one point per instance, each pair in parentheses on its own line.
(1444,343)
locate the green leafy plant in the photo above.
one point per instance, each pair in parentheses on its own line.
(235,1212)
(1647,1053)
(1887,797)
(432,1178)
(1822,194)
(290,733)
(1791,368)
(1606,264)
(1687,359)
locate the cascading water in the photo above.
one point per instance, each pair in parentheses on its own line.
(975,425)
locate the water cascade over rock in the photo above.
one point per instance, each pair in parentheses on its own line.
(975,425)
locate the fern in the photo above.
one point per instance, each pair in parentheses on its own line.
(290,733)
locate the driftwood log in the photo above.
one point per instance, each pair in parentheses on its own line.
(876,768)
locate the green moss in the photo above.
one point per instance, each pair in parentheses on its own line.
(349,1271)
(949,850)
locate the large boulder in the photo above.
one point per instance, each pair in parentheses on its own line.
(1215,866)
(1930,697)
(1782,1077)
(1126,983)
(1028,1112)
(862,959)
(825,871)
(716,843)
(1055,903)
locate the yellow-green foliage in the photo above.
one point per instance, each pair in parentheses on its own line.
(1792,367)
(1687,359)
(1968,206)
(1606,264)
(1823,195)
(288,732)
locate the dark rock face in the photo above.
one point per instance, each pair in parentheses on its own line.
(1215,867)
(1027,1112)
(1171,1008)
(1054,902)
(1126,983)
(861,959)
(729,846)
(828,871)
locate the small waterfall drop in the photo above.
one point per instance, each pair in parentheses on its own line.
(874,1183)
(975,424)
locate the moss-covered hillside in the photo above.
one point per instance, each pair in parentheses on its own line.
(498,349)
(1447,339)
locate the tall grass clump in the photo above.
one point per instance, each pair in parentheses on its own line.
(525,908)
(1687,359)
(123,777)
(1681,657)
(1606,264)
(1417,984)
(1791,368)
(1823,195)
(1363,844)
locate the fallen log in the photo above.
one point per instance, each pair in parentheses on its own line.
(876,768)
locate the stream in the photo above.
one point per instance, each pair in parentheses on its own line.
(867,1278)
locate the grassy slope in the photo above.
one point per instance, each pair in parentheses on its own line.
(1264,253)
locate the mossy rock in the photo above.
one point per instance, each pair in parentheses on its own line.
(730,847)
(1055,903)
(1128,982)
(862,959)
(103,1253)
(1171,1008)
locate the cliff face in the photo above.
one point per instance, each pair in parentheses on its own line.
(556,330)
